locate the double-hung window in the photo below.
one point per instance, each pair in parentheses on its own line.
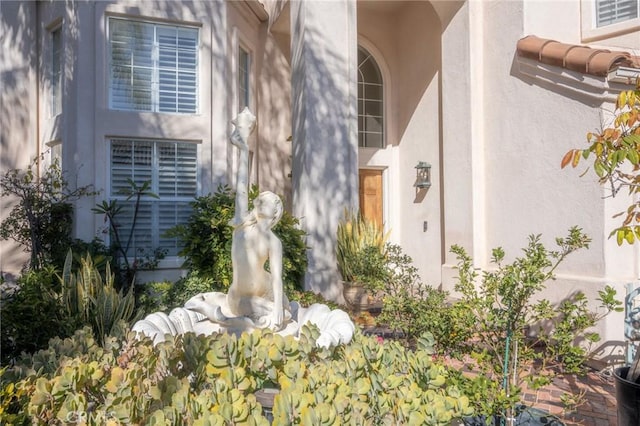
(171,168)
(613,11)
(602,19)
(153,67)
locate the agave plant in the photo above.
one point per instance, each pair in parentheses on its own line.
(360,250)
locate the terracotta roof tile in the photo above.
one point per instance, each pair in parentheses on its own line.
(574,57)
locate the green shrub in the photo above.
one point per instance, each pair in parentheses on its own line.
(414,308)
(308,298)
(507,310)
(360,251)
(187,287)
(201,380)
(207,236)
(32,315)
(294,252)
(154,297)
(41,220)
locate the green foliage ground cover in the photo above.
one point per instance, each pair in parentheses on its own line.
(212,380)
(499,325)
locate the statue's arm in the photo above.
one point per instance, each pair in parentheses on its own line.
(242,178)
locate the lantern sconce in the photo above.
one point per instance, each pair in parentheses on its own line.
(423,175)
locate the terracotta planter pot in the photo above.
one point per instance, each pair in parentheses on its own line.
(359,298)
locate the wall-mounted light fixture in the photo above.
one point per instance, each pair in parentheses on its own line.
(423,175)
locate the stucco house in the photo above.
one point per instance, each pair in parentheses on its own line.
(351,97)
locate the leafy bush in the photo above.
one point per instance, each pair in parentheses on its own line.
(615,156)
(154,297)
(41,221)
(32,315)
(504,302)
(46,305)
(187,287)
(415,308)
(207,236)
(308,298)
(213,380)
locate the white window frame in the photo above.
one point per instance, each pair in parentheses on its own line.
(155,103)
(590,30)
(383,111)
(56,72)
(153,205)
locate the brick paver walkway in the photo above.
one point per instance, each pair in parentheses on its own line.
(596,406)
(598,402)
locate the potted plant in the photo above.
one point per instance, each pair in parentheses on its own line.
(361,257)
(615,156)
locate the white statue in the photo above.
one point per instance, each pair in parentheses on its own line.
(256,296)
(255,292)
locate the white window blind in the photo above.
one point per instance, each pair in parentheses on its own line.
(370,102)
(171,167)
(153,67)
(56,71)
(613,11)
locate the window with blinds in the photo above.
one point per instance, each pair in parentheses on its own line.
(370,102)
(171,168)
(613,11)
(153,67)
(56,71)
(243,78)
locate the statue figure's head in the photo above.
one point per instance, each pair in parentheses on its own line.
(268,206)
(245,122)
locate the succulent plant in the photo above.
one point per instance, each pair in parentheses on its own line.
(197,380)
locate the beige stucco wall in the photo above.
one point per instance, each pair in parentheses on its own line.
(270,100)
(18,117)
(528,125)
(405,40)
(572,21)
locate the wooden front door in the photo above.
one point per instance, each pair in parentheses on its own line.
(371,195)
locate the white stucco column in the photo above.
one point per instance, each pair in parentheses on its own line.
(79,153)
(324,121)
(460,168)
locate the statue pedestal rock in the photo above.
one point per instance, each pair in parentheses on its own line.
(256,297)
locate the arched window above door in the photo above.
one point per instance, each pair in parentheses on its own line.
(370,102)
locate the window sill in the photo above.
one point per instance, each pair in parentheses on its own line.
(591,33)
(169,262)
